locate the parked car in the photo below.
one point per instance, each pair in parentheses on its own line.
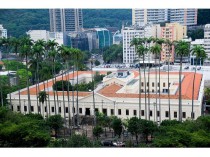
(113,143)
(107,143)
(187,67)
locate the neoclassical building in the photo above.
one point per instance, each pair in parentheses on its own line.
(118,95)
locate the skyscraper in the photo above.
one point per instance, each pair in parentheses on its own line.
(186,17)
(65,20)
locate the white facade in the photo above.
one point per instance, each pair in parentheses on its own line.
(207,39)
(121,106)
(186,17)
(129,53)
(3,32)
(145,16)
(46,35)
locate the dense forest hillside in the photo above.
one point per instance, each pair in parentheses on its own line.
(18,21)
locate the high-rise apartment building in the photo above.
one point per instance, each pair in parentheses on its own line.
(172,32)
(144,16)
(186,17)
(65,20)
(3,32)
(207,39)
(129,52)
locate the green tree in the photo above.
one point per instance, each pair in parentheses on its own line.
(116,125)
(42,98)
(55,122)
(200,54)
(97,131)
(134,127)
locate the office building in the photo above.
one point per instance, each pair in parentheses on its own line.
(65,20)
(117,38)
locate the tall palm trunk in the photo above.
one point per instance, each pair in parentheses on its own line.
(145,86)
(77,97)
(53,80)
(169,102)
(180,91)
(45,103)
(149,85)
(192,113)
(94,112)
(37,81)
(10,99)
(156,85)
(18,89)
(29,98)
(69,113)
(37,99)
(64,110)
(159,92)
(48,99)
(139,91)
(73,98)
(56,109)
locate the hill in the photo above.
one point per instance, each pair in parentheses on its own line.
(18,21)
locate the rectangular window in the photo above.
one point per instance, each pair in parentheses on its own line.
(59,109)
(184,114)
(52,109)
(193,114)
(18,108)
(25,108)
(150,113)
(39,109)
(12,107)
(158,113)
(105,111)
(112,111)
(127,112)
(80,110)
(142,84)
(142,112)
(164,84)
(73,110)
(175,114)
(147,84)
(67,110)
(45,109)
(134,112)
(119,111)
(96,109)
(166,114)
(32,109)
(153,84)
(158,84)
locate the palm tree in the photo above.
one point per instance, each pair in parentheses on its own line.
(159,42)
(25,51)
(156,49)
(51,48)
(77,56)
(42,96)
(169,46)
(149,40)
(92,75)
(200,53)
(182,49)
(135,42)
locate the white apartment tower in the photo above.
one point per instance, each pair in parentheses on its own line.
(3,32)
(129,53)
(207,39)
(65,20)
(186,17)
(144,16)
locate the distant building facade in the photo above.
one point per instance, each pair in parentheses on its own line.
(3,32)
(129,52)
(117,38)
(78,40)
(186,17)
(172,32)
(46,35)
(65,20)
(207,39)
